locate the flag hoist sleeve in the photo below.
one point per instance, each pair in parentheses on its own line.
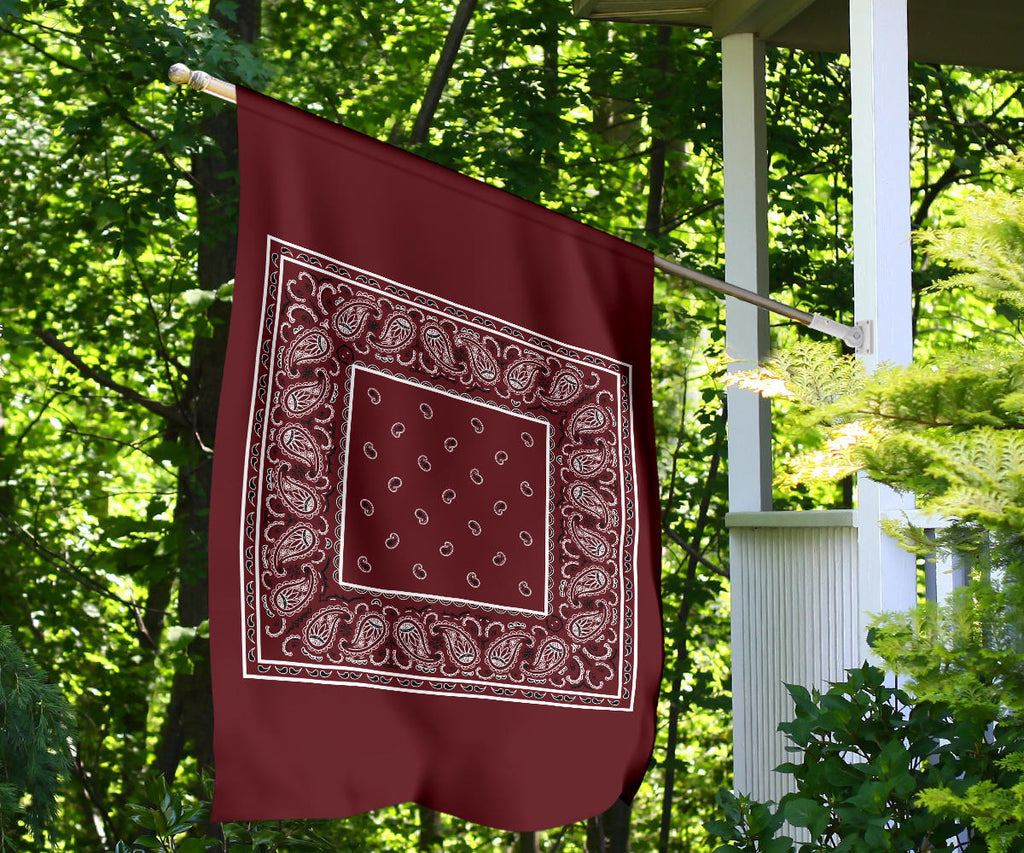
(434,546)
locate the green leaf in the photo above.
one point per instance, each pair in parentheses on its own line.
(199,300)
(803,811)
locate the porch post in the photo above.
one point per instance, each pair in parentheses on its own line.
(746,264)
(882,265)
(750,466)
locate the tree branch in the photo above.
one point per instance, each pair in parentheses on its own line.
(168,413)
(694,553)
(53,58)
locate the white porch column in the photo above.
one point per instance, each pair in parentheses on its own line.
(882,264)
(746,264)
(750,465)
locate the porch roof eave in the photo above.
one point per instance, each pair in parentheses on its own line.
(978,33)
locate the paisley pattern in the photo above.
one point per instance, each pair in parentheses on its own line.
(566,639)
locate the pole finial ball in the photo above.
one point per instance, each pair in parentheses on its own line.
(179,74)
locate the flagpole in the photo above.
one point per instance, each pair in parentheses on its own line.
(182,75)
(858,337)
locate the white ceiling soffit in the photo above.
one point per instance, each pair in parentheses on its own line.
(983,33)
(721,16)
(980,33)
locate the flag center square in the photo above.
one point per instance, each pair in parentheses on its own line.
(444,498)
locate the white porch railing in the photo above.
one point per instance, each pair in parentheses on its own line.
(797,618)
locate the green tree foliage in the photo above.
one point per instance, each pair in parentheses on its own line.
(116,253)
(951,429)
(866,753)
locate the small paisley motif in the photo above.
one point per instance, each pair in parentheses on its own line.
(392,542)
(370,450)
(397,333)
(354,315)
(477,424)
(310,346)
(447,549)
(419,572)
(294,545)
(526,489)
(500,507)
(301,499)
(366,506)
(524,589)
(412,639)
(590,418)
(501,457)
(304,397)
(526,537)
(499,559)
(592,544)
(364,565)
(394,484)
(322,631)
(290,597)
(588,625)
(475,528)
(527,439)
(476,476)
(566,386)
(589,461)
(552,653)
(503,653)
(397,429)
(460,646)
(423,462)
(439,347)
(482,361)
(374,395)
(368,634)
(473,580)
(448,495)
(588,583)
(426,411)
(421,516)
(522,374)
(588,499)
(299,444)
(450,444)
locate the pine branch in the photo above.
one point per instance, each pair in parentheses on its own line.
(168,413)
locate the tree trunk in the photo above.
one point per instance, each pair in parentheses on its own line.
(528,843)
(609,831)
(442,71)
(189,721)
(655,187)
(659,148)
(683,653)
(430,837)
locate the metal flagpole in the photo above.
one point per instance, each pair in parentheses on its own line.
(858,337)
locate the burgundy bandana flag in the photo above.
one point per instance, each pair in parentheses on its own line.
(434,537)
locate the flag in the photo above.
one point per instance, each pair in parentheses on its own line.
(434,535)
